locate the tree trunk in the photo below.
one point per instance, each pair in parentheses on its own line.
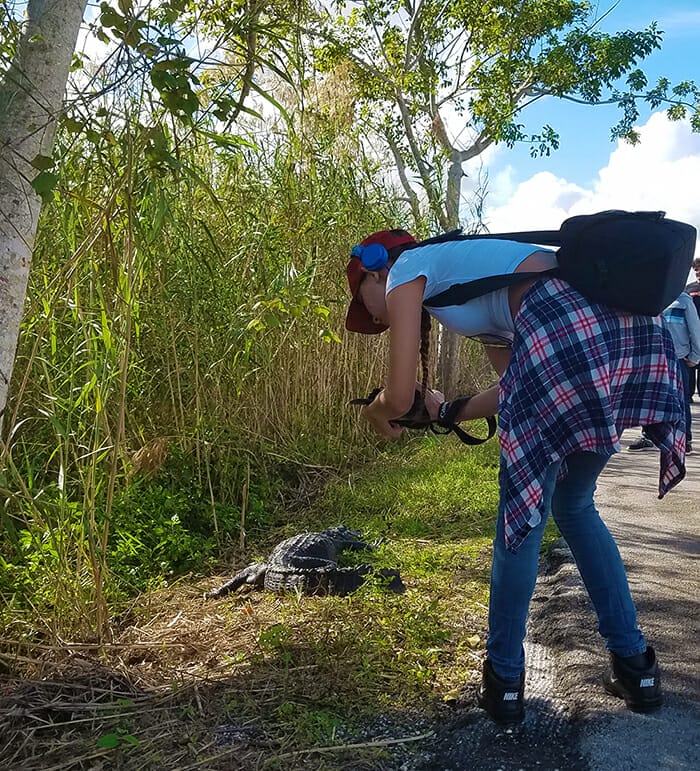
(449,359)
(31,96)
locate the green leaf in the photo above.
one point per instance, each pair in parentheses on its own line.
(256,325)
(43,184)
(43,162)
(133,36)
(72,125)
(110,18)
(329,336)
(231,141)
(108,741)
(268,96)
(147,49)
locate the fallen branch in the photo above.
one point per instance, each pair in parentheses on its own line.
(358,746)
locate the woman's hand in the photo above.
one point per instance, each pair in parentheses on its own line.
(376,417)
(433,400)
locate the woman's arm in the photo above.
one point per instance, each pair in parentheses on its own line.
(404,305)
(485,403)
(481,405)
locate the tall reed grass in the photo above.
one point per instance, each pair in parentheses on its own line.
(182,361)
(181,357)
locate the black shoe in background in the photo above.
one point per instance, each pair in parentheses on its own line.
(641,444)
(504,700)
(640,687)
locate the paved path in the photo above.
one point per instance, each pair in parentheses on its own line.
(660,544)
(571,724)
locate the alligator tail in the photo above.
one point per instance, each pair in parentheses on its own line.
(253,574)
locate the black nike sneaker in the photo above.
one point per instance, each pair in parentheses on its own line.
(502,699)
(640,687)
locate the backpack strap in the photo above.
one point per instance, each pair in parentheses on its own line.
(458,294)
(543,237)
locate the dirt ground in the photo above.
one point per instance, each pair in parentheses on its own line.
(571,724)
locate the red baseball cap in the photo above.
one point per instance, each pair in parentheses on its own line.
(358,318)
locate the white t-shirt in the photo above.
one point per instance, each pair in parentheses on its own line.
(457,262)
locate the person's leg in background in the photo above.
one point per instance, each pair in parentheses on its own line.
(643,443)
(685,379)
(693,384)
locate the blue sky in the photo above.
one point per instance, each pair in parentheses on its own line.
(585,131)
(590,172)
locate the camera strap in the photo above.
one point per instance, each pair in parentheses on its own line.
(418,419)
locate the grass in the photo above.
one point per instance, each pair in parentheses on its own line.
(290,680)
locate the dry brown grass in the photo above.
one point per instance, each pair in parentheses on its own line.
(259,681)
(240,683)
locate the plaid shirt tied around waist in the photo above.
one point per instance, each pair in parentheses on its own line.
(579,374)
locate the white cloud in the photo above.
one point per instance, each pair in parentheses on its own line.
(662,172)
(680,21)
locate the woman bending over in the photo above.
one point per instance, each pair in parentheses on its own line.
(573,376)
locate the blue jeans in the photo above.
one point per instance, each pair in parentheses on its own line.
(597,557)
(685,378)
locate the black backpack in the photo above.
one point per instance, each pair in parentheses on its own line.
(632,261)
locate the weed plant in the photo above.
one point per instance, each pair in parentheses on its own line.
(182,371)
(295,673)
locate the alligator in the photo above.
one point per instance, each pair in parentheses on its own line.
(308,563)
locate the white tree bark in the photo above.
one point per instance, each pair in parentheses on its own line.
(31,96)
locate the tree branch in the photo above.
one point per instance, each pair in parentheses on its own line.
(401,169)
